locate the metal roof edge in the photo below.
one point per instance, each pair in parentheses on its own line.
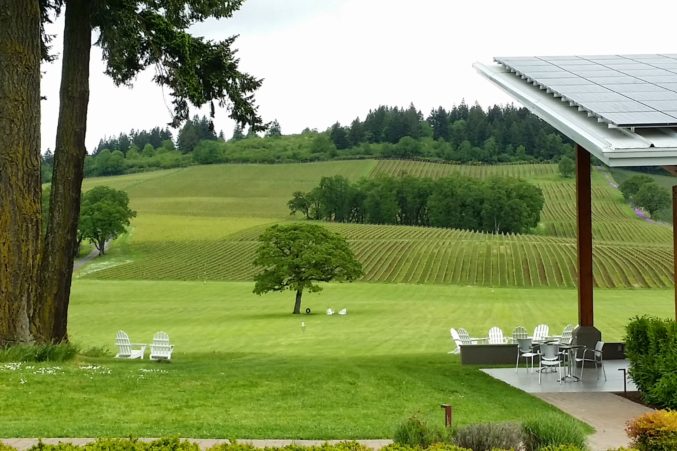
(615,147)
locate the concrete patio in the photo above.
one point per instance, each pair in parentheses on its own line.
(592,400)
(528,381)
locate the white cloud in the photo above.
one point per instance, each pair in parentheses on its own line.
(329,60)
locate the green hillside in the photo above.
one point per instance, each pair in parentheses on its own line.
(201,223)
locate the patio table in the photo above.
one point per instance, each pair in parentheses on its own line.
(571,351)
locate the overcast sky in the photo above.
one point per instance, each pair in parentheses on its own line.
(324,61)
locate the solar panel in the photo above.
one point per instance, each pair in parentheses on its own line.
(622,90)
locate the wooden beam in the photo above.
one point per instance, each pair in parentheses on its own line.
(674,241)
(584,237)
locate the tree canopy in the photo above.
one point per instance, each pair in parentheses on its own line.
(135,138)
(631,186)
(566,166)
(193,131)
(494,205)
(641,190)
(297,256)
(104,215)
(652,198)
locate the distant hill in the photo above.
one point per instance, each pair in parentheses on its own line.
(202,222)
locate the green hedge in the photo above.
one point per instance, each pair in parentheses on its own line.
(651,348)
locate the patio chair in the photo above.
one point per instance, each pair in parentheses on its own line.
(595,356)
(541,332)
(496,336)
(518,333)
(549,358)
(456,338)
(160,349)
(127,349)
(343,312)
(567,334)
(524,349)
(465,336)
(467,339)
(330,311)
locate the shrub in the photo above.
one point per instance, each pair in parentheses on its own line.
(551,431)
(4,447)
(561,448)
(39,353)
(233,445)
(651,348)
(124,444)
(655,430)
(488,436)
(415,431)
(433,447)
(171,443)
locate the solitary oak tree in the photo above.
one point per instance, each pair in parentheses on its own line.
(104,215)
(294,257)
(35,277)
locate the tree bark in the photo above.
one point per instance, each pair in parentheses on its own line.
(69,157)
(20,188)
(297,304)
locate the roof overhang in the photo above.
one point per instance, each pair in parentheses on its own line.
(614,146)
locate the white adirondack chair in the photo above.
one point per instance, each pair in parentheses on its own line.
(541,332)
(567,334)
(519,333)
(330,312)
(127,349)
(496,336)
(456,338)
(160,349)
(343,311)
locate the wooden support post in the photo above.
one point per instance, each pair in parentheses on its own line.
(584,237)
(674,241)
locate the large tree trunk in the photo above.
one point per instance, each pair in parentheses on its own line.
(20,190)
(69,157)
(297,304)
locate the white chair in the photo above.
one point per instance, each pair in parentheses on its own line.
(456,338)
(127,349)
(518,333)
(549,358)
(567,334)
(465,336)
(496,336)
(467,339)
(596,358)
(525,350)
(343,312)
(160,349)
(541,332)
(330,312)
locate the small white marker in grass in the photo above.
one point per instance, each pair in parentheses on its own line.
(303,326)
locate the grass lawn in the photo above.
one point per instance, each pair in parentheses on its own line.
(244,367)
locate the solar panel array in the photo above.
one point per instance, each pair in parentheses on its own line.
(622,90)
